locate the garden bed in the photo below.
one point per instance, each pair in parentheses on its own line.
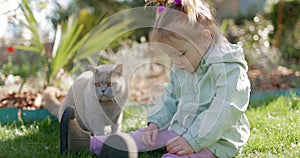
(24,106)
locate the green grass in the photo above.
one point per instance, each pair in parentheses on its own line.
(274,132)
(274,129)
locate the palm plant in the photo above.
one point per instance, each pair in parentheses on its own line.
(69,38)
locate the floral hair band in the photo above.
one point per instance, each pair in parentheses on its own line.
(178,2)
(162,4)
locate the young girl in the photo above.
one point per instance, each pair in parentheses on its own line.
(202,111)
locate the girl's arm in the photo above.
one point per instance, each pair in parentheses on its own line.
(165,107)
(226,110)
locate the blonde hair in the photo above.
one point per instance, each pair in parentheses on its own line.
(193,12)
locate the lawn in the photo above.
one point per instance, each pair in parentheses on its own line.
(274,132)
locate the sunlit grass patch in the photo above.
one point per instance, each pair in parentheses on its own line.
(274,129)
(274,132)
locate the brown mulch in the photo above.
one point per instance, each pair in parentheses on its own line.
(281,78)
(145,90)
(29,100)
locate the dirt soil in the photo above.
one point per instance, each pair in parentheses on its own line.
(280,78)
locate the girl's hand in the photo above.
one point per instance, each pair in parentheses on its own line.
(149,135)
(178,145)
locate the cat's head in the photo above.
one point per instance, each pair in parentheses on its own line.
(108,82)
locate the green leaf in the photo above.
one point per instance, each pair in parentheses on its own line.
(102,37)
(28,48)
(68,46)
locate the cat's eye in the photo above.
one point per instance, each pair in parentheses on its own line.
(109,84)
(97,84)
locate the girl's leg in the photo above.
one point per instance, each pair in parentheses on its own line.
(96,142)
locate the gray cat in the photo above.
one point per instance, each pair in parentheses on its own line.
(98,97)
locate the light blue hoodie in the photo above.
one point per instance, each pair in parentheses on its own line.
(208,107)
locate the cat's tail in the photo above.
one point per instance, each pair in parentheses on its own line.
(52,104)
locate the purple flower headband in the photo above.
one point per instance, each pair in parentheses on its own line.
(195,10)
(162,8)
(177,2)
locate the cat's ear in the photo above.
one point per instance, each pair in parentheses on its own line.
(92,68)
(118,69)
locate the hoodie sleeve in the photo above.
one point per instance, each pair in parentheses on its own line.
(226,109)
(166,106)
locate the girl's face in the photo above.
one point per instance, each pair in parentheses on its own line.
(190,41)
(187,55)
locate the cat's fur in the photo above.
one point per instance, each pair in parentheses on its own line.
(98,97)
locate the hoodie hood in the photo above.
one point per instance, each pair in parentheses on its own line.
(227,53)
